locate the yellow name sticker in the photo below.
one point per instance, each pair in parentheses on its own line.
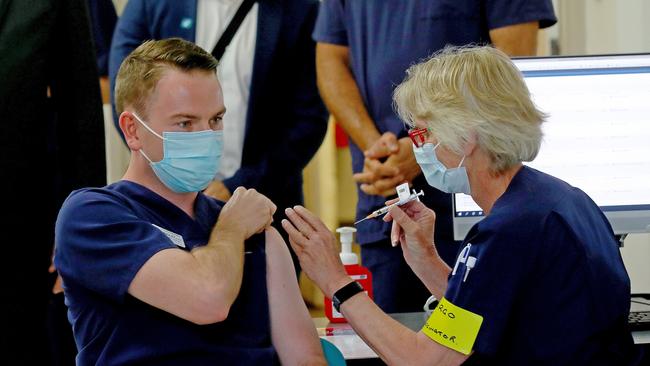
(453,327)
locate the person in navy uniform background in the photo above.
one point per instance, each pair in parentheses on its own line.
(156,272)
(539,281)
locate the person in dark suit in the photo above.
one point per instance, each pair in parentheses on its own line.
(51,142)
(269,67)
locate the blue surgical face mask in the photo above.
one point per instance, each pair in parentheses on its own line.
(190,159)
(452,180)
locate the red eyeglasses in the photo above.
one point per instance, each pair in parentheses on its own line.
(418,136)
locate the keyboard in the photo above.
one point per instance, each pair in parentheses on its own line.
(639,318)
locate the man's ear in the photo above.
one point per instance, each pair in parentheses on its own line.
(129,127)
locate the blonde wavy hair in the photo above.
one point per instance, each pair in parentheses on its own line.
(462,92)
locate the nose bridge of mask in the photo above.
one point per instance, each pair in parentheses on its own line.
(186,144)
(426,154)
(179,145)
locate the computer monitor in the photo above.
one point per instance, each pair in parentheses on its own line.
(597,135)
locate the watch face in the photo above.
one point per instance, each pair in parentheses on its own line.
(345,293)
(336,302)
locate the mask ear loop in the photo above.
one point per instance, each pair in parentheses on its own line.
(147,127)
(145,156)
(461,161)
(150,130)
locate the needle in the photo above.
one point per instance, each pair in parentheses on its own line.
(385,209)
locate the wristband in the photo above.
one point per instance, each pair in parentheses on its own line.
(345,293)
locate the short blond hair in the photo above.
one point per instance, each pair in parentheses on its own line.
(462,91)
(141,70)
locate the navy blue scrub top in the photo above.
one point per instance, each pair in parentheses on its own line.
(385,37)
(104,236)
(549,279)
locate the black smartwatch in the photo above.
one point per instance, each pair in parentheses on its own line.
(345,293)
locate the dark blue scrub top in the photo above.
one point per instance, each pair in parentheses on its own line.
(385,37)
(549,279)
(104,236)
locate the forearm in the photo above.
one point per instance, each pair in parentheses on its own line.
(221,264)
(105,87)
(433,274)
(517,39)
(200,286)
(392,341)
(341,95)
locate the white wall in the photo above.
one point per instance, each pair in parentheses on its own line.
(117,154)
(611,26)
(603,26)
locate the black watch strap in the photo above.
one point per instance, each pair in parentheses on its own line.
(345,293)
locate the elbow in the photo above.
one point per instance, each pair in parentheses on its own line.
(209,317)
(207,314)
(212,306)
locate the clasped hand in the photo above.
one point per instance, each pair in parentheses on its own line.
(381,178)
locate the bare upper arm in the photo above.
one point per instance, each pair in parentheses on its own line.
(516,40)
(170,281)
(292,331)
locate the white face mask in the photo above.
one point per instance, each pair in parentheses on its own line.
(452,180)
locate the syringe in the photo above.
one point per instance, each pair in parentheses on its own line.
(384,210)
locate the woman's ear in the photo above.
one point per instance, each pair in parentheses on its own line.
(129,127)
(471,144)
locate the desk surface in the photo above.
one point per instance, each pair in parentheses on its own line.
(350,344)
(353,347)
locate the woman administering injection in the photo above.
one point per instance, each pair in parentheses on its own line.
(544,247)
